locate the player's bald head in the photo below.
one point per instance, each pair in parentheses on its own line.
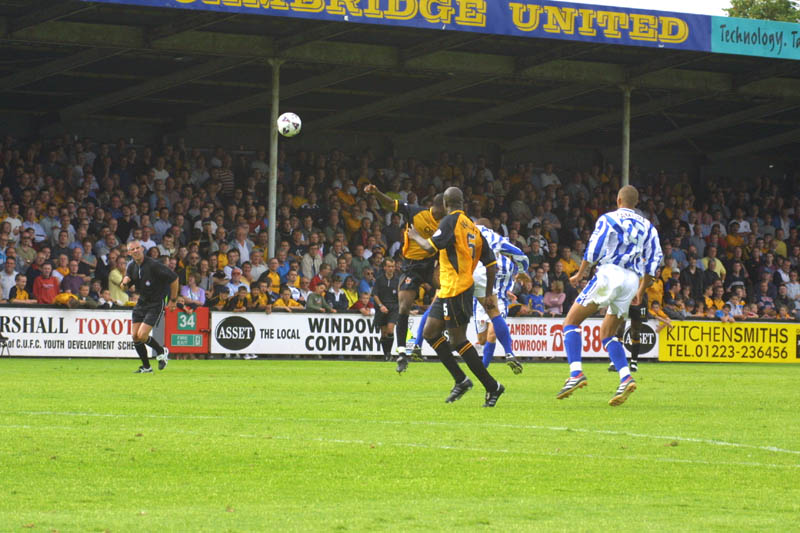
(628,197)
(484,222)
(438,200)
(453,198)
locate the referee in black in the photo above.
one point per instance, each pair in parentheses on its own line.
(384,294)
(153,281)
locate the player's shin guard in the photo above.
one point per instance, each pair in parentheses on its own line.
(617,355)
(470,356)
(421,326)
(151,342)
(445,353)
(502,333)
(141,351)
(572,345)
(488,353)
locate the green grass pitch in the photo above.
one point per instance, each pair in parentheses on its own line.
(86,445)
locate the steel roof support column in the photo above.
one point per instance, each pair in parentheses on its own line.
(272,192)
(626,135)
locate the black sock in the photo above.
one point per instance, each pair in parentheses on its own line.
(445,353)
(151,342)
(401,330)
(470,356)
(635,350)
(142,352)
(386,344)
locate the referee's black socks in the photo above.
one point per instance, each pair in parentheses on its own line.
(151,342)
(386,344)
(141,351)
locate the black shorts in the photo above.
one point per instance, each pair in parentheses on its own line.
(382,319)
(414,273)
(150,314)
(638,313)
(455,311)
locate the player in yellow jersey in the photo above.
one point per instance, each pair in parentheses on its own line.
(418,263)
(460,246)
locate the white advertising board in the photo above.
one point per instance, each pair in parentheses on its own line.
(355,335)
(57,332)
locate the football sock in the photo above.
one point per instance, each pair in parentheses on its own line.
(470,356)
(635,345)
(572,345)
(502,333)
(421,326)
(141,351)
(488,353)
(151,342)
(386,344)
(445,353)
(401,330)
(617,355)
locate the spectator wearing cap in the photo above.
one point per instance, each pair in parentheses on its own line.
(236,281)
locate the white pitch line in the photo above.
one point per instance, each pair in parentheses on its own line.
(713,442)
(444,447)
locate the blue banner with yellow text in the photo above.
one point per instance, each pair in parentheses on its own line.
(554,20)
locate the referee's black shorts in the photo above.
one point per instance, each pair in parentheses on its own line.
(455,311)
(150,314)
(383,319)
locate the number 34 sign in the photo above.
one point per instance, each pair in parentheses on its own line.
(187,332)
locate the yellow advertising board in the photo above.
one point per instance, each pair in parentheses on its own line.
(741,342)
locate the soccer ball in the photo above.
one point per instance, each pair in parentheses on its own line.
(289,124)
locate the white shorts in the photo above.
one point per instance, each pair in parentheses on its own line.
(480,318)
(612,287)
(479,282)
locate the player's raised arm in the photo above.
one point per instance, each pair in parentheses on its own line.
(385,201)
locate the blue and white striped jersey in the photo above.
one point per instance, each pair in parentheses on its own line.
(626,239)
(510,260)
(502,246)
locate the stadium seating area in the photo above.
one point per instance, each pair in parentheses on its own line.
(731,246)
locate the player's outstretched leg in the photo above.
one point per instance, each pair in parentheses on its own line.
(626,383)
(572,345)
(504,337)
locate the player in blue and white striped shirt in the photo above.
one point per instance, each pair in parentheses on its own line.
(626,250)
(510,260)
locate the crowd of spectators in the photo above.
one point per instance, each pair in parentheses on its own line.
(68,206)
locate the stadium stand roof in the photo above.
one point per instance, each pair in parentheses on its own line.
(63,60)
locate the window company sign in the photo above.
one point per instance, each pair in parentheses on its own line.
(54,332)
(352,334)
